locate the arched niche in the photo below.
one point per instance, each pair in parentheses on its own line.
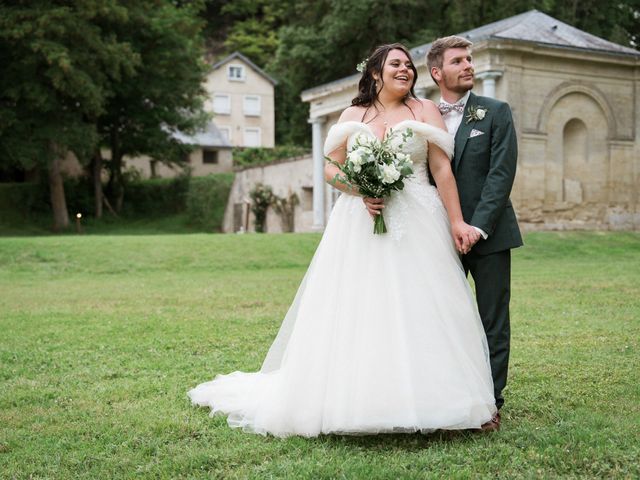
(577,152)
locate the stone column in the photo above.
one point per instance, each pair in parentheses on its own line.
(489,82)
(318,172)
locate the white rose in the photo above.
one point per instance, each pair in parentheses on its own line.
(389,173)
(366,155)
(480,113)
(356,159)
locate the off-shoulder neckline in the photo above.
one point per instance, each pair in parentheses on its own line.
(394,127)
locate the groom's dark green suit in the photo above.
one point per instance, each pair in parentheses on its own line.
(484,165)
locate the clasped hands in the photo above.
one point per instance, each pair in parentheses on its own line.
(464,235)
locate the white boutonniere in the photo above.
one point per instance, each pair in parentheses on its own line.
(476,112)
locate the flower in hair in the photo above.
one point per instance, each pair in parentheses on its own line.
(362,65)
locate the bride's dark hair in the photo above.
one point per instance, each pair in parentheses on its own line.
(367,88)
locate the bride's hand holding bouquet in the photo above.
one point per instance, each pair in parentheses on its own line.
(374,168)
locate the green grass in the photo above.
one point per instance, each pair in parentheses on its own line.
(40,225)
(101,337)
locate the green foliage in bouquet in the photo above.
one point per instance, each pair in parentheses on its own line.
(375,168)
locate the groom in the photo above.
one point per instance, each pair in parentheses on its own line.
(484,164)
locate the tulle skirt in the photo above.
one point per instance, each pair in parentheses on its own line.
(382,336)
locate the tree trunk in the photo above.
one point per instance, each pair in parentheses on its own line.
(153,165)
(58,200)
(96,172)
(116,171)
(118,189)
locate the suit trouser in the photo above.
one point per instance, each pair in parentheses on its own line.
(492,276)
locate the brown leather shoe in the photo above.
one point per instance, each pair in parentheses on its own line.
(492,425)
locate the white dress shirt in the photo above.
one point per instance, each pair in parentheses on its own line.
(452,120)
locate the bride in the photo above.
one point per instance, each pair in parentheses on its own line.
(383,334)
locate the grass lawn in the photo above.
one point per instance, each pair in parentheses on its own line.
(40,225)
(101,337)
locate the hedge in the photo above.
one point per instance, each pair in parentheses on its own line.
(204,199)
(246,157)
(207,200)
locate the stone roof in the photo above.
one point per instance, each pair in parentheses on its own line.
(209,137)
(530,27)
(537,27)
(240,56)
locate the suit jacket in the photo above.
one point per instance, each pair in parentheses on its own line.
(484,165)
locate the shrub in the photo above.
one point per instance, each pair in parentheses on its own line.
(245,157)
(261,199)
(20,199)
(207,200)
(79,195)
(156,196)
(286,208)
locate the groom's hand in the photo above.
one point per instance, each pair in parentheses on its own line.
(374,205)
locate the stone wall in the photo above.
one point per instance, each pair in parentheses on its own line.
(577,122)
(284,177)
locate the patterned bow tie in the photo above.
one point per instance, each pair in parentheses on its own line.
(447,107)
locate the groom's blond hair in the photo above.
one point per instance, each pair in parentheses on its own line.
(435,57)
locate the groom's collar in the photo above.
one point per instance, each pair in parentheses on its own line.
(463,100)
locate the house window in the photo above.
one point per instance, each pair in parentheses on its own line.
(210,156)
(235,73)
(222,104)
(252,105)
(252,137)
(226,133)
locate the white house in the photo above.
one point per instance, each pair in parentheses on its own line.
(241,97)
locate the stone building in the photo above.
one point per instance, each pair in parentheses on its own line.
(576,104)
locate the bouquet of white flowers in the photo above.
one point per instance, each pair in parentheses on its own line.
(376,168)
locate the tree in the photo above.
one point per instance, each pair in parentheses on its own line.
(162,95)
(321,40)
(617,21)
(124,74)
(247,26)
(327,39)
(56,63)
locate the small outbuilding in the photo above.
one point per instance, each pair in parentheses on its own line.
(576,104)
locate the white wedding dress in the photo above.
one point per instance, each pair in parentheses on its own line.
(383,334)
